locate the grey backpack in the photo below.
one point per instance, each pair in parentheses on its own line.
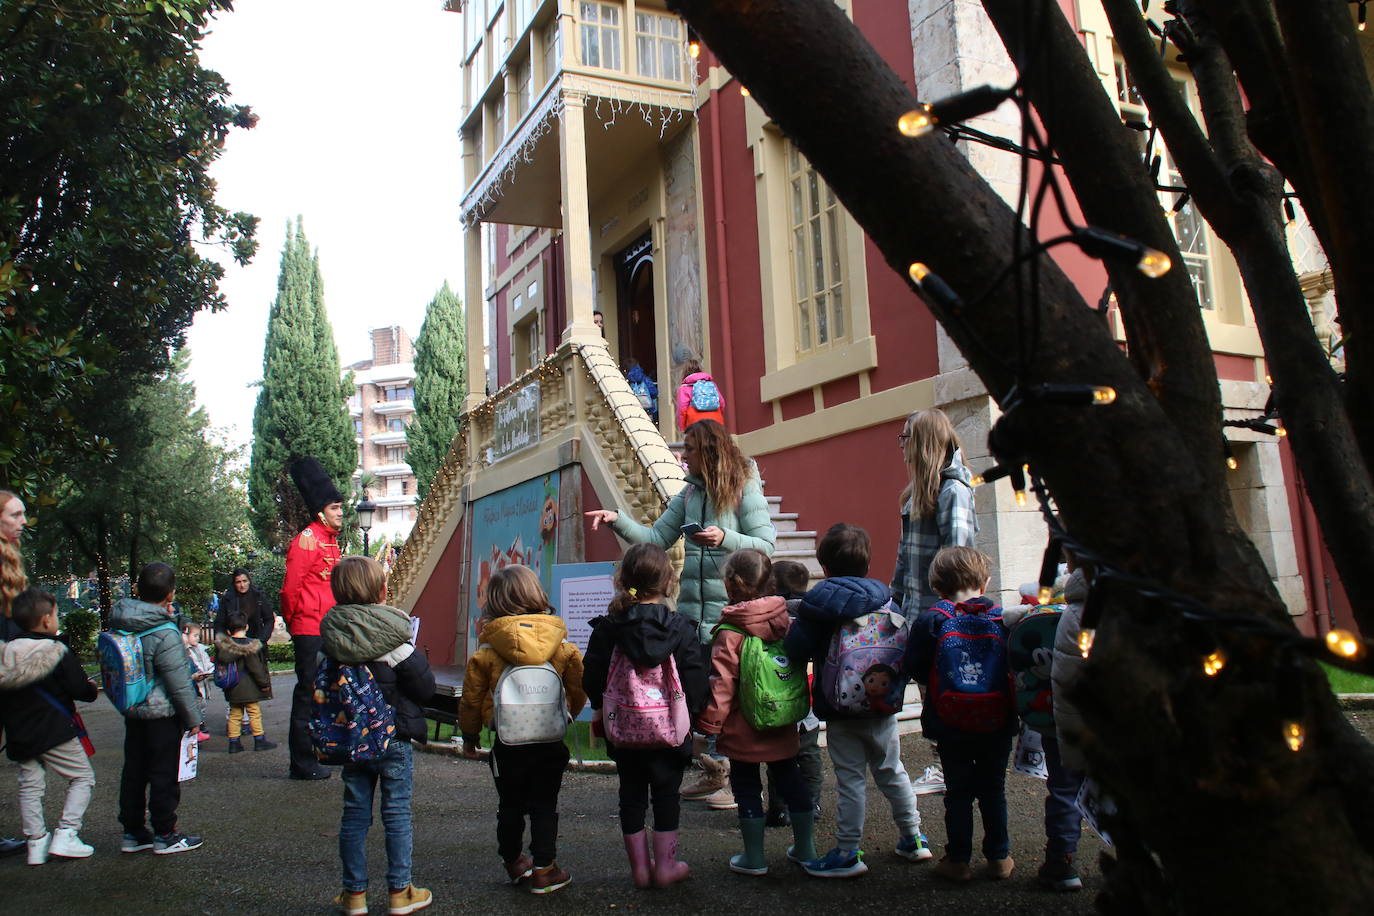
(529,706)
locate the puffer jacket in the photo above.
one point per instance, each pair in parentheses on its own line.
(378,636)
(648,635)
(746,525)
(32,725)
(954,524)
(1066,669)
(518,639)
(173,693)
(819,614)
(767,619)
(254,682)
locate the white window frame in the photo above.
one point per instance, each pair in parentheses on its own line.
(600,33)
(660,46)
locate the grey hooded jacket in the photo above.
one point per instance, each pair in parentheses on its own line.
(172,693)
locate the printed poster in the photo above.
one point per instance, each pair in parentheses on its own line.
(516,526)
(188,763)
(582,591)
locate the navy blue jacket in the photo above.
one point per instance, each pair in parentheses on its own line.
(819,615)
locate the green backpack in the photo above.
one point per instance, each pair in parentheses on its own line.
(773,691)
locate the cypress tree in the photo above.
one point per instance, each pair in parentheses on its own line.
(302,404)
(441,384)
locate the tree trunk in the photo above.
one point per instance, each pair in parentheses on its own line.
(1212,800)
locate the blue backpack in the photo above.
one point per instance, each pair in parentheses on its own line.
(125,672)
(227,674)
(705,395)
(970,679)
(350,720)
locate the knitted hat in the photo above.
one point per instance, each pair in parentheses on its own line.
(314,483)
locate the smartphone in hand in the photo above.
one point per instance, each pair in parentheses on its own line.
(693,528)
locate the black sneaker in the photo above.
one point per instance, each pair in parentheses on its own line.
(9,846)
(1058,873)
(136,842)
(176,842)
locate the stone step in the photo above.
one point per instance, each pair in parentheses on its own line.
(797,540)
(785,521)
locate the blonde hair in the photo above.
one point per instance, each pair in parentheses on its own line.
(357,580)
(516,590)
(928,450)
(723,465)
(955,569)
(748,574)
(13,579)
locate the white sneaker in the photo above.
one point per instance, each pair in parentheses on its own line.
(68,845)
(931,782)
(38,849)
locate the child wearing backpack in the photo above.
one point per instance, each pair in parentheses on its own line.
(645,675)
(790,580)
(524,654)
(698,397)
(240,673)
(147,676)
(40,682)
(742,693)
(368,643)
(958,649)
(856,636)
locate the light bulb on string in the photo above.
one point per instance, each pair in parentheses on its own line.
(1362,18)
(1289,213)
(916,123)
(1294,735)
(1213,662)
(1231,461)
(924,118)
(1100,243)
(1179,203)
(1345,644)
(744,90)
(1086,637)
(934,287)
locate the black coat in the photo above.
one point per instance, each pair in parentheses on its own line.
(32,725)
(407,687)
(262,625)
(648,634)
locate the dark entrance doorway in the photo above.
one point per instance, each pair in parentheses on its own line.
(634,272)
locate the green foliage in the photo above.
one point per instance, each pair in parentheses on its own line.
(1343,681)
(172,494)
(268,573)
(281,653)
(108,128)
(302,405)
(441,384)
(81,626)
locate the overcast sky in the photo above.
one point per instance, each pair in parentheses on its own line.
(359,107)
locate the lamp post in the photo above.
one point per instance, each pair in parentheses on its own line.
(365,510)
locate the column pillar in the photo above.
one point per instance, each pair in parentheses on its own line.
(577,232)
(475,305)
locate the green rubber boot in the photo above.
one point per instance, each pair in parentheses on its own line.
(803,848)
(751,861)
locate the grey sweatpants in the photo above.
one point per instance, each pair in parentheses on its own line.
(69,761)
(856,747)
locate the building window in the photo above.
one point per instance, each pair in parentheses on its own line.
(395,425)
(395,454)
(521,102)
(395,486)
(498,121)
(658,46)
(1190,231)
(399,393)
(357,426)
(553,51)
(817,248)
(600,34)
(527,344)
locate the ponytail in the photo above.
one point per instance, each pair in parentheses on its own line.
(645,571)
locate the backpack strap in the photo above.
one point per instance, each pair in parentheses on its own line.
(727,626)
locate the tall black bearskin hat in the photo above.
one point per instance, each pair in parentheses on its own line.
(316,488)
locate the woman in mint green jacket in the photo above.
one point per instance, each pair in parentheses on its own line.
(724,496)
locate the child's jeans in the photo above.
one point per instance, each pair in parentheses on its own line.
(1063,821)
(975,768)
(746,782)
(528,777)
(396,772)
(644,771)
(235,724)
(858,746)
(69,761)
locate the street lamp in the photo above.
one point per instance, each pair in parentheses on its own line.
(365,510)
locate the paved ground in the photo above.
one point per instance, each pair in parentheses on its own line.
(270,848)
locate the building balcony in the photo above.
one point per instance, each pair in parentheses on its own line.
(398,469)
(396,499)
(394,408)
(388,437)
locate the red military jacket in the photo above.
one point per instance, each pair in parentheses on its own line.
(305,593)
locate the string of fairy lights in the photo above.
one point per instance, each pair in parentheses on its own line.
(1202,622)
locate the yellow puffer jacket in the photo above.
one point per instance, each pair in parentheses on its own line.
(521,639)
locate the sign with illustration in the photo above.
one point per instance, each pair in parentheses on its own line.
(515,424)
(518,525)
(582,591)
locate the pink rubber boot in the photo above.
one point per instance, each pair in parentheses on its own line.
(667,869)
(637,848)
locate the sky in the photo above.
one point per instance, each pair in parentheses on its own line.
(359,105)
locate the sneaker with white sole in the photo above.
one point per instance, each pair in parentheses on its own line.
(915,848)
(136,842)
(173,843)
(837,863)
(38,849)
(1059,874)
(714,776)
(931,782)
(67,845)
(721,800)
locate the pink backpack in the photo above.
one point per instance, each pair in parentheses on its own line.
(644,707)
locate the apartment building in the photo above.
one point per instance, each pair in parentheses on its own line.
(382,406)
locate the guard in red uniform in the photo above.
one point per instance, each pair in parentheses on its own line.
(306,596)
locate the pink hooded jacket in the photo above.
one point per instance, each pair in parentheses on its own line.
(766,618)
(684,395)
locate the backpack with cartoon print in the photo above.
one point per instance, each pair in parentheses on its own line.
(1030,652)
(644,708)
(772,690)
(970,682)
(861,675)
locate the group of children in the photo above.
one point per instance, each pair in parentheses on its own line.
(41,681)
